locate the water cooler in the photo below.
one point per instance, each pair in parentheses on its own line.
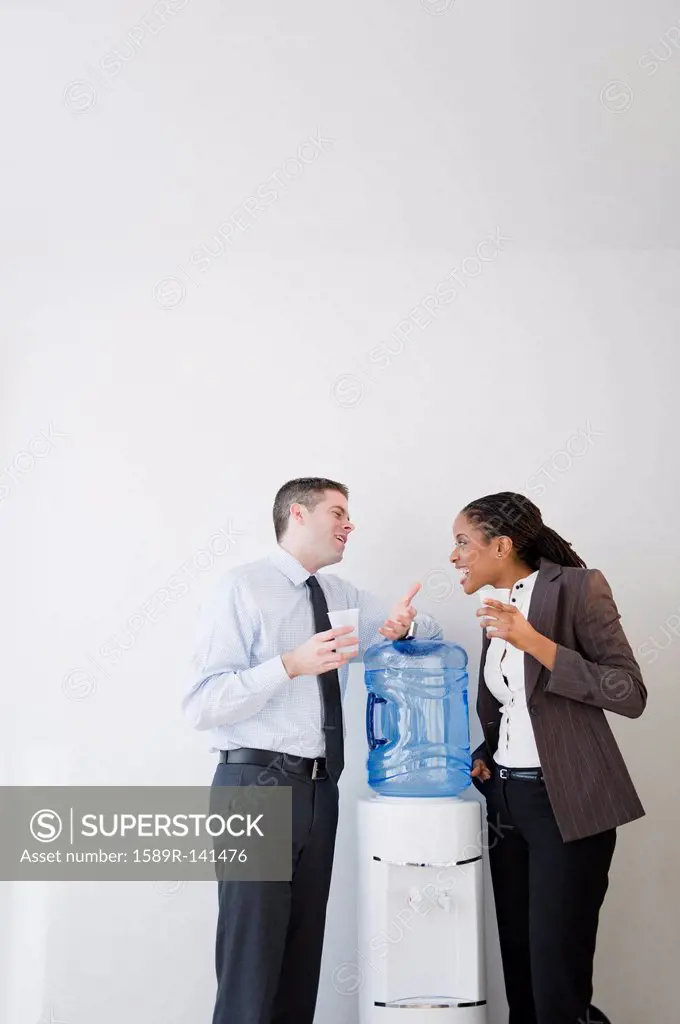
(421,938)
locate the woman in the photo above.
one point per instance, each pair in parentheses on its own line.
(554,659)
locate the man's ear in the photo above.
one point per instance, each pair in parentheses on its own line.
(296,512)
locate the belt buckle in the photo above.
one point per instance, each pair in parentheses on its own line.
(503,773)
(315,768)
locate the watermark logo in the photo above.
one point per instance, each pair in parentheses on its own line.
(166,835)
(575,447)
(169,291)
(616,684)
(670,625)
(348,389)
(79,97)
(438,585)
(79,684)
(616,97)
(24,462)
(169,888)
(348,978)
(46,826)
(437,7)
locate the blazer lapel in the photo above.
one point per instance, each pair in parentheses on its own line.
(542,614)
(488,707)
(482,691)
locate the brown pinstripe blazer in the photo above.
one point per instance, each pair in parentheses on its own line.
(595,671)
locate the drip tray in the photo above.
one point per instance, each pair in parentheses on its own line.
(426,1010)
(429,1003)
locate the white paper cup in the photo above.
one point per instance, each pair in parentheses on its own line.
(346,617)
(493,594)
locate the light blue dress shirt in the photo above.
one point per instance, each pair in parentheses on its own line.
(241,694)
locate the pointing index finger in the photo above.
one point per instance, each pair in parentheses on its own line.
(412,593)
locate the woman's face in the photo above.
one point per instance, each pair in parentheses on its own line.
(480,561)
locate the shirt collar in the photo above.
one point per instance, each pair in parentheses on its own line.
(521,591)
(289,566)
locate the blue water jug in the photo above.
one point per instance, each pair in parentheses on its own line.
(417,721)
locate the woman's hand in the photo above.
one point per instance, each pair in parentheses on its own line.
(508,623)
(480,770)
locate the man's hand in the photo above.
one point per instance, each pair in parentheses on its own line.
(401,616)
(320,653)
(480,770)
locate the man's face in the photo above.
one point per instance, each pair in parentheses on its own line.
(327,527)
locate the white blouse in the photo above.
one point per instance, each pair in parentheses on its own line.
(504,676)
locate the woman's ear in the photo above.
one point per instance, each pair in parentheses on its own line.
(504,547)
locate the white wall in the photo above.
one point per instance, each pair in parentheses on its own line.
(176,405)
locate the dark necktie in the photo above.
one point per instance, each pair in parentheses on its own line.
(329,684)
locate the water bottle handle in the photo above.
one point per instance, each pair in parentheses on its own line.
(373,699)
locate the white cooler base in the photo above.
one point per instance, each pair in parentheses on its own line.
(420,911)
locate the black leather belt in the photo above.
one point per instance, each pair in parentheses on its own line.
(522,774)
(311,767)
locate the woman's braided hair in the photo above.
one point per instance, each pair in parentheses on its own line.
(508,514)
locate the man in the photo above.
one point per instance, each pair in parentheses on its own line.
(269,677)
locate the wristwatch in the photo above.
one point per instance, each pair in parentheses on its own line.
(412,630)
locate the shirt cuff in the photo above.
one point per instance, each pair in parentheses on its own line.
(268,677)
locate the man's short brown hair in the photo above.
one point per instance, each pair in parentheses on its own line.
(305,490)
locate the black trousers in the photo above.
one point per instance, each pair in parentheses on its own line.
(270,934)
(548,895)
